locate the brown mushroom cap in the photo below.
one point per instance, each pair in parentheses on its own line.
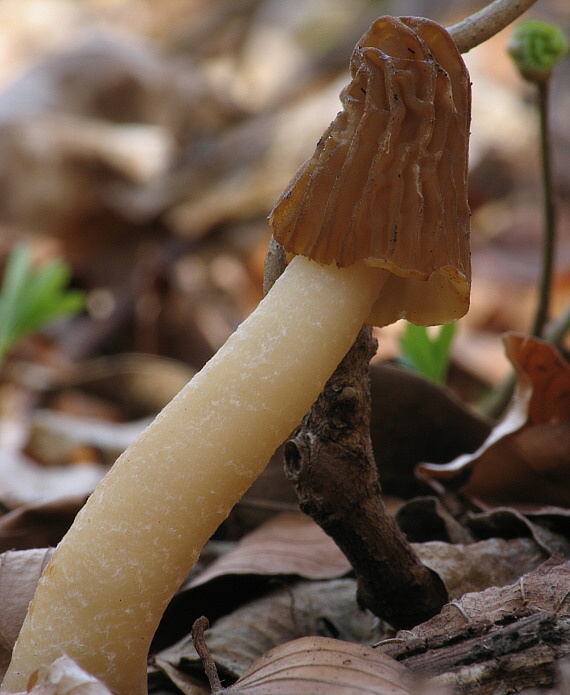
(387,183)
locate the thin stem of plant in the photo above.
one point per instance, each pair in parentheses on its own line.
(501,396)
(198,628)
(549,236)
(482,25)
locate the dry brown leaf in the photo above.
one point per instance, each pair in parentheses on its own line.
(280,546)
(307,608)
(526,457)
(63,677)
(38,525)
(545,374)
(548,530)
(290,543)
(414,420)
(56,438)
(323,666)
(22,481)
(187,684)
(543,589)
(19,574)
(138,384)
(478,566)
(426,519)
(498,635)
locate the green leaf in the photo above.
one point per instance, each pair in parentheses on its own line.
(425,353)
(31,298)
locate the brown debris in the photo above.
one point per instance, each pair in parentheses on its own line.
(525,457)
(509,637)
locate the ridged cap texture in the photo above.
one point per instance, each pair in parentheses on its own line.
(387,183)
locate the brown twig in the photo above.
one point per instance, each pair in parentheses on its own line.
(331,463)
(198,628)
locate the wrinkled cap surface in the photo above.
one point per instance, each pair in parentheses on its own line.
(387,183)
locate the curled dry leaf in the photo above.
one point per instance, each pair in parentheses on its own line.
(414,420)
(63,677)
(478,566)
(549,530)
(290,543)
(526,457)
(23,482)
(426,519)
(323,666)
(19,575)
(38,525)
(57,439)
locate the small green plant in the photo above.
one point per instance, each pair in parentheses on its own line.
(427,352)
(536,47)
(31,297)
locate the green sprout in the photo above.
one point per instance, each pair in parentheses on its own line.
(31,297)
(536,47)
(427,353)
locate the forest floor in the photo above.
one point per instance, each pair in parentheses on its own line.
(145,144)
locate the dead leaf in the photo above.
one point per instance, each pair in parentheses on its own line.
(323,666)
(139,384)
(56,437)
(427,519)
(478,566)
(526,457)
(63,677)
(38,525)
(307,608)
(290,543)
(549,532)
(160,682)
(544,378)
(19,575)
(414,420)
(22,481)
(479,642)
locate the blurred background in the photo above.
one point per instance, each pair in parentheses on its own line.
(147,142)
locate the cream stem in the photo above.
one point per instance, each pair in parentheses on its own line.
(102,596)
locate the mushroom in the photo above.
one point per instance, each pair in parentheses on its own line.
(387,183)
(378,219)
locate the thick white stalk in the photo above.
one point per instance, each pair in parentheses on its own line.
(111,577)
